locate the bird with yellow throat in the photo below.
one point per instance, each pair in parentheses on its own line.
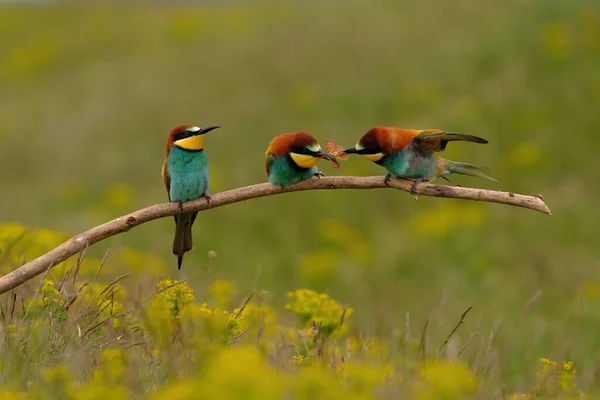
(293,157)
(186,176)
(410,153)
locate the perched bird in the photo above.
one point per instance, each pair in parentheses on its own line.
(292,157)
(185,172)
(410,153)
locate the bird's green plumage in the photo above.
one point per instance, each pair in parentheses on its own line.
(407,163)
(284,171)
(188,176)
(412,164)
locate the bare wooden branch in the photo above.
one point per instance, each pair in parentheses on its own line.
(126,222)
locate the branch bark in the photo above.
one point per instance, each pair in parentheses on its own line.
(126,222)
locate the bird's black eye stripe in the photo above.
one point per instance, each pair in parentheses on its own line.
(374,150)
(182,135)
(301,150)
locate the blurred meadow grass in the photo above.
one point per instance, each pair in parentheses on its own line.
(89,92)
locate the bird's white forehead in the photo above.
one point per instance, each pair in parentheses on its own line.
(359,146)
(194,129)
(314,147)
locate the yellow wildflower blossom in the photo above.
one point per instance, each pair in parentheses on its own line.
(13,331)
(554,377)
(298,359)
(177,297)
(318,309)
(49,295)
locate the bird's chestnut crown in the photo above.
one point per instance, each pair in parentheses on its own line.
(303,149)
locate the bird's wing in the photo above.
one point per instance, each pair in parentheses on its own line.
(165,176)
(269,162)
(436,140)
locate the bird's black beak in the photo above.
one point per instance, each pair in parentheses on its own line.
(207,129)
(324,154)
(351,150)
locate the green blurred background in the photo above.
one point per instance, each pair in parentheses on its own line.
(88,94)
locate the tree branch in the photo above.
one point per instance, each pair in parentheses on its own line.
(126,222)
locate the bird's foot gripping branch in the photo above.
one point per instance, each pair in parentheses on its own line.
(129,221)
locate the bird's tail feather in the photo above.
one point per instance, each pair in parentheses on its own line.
(455,167)
(182,242)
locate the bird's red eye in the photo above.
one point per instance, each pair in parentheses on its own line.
(182,135)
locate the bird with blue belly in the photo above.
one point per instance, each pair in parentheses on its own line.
(410,153)
(293,157)
(186,176)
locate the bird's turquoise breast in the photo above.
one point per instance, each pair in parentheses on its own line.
(282,171)
(410,164)
(188,174)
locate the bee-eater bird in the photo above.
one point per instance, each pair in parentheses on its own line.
(185,172)
(293,157)
(410,153)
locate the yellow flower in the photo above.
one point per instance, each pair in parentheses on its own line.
(546,366)
(318,310)
(49,294)
(48,300)
(13,331)
(567,366)
(217,323)
(298,359)
(566,376)
(554,377)
(176,297)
